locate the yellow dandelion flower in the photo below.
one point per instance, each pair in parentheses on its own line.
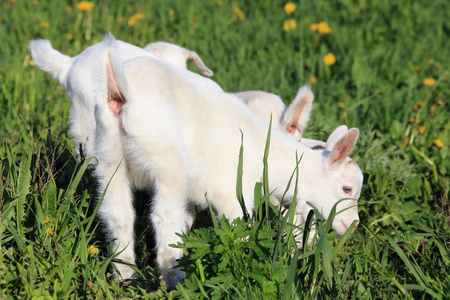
(92,250)
(432,108)
(420,104)
(47,220)
(139,16)
(238,13)
(431,61)
(323,28)
(415,107)
(416,121)
(12,1)
(289,25)
(90,285)
(429,81)
(422,129)
(405,142)
(49,232)
(292,23)
(132,21)
(32,63)
(439,143)
(171,12)
(341,104)
(289,8)
(314,27)
(46,25)
(440,103)
(329,59)
(313,79)
(27,106)
(85,5)
(134,18)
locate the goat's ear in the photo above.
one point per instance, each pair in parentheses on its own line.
(198,62)
(298,113)
(335,136)
(115,98)
(344,146)
(50,60)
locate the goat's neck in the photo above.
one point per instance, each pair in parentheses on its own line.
(282,166)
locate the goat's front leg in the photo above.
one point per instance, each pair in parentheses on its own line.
(300,220)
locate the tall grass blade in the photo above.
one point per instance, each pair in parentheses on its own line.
(416,287)
(289,287)
(415,271)
(239,193)
(23,188)
(94,213)
(279,240)
(75,181)
(344,239)
(266,169)
(212,214)
(327,253)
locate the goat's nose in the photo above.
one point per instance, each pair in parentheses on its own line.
(354,227)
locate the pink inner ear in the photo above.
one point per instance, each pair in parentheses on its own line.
(291,127)
(344,146)
(115,98)
(193,56)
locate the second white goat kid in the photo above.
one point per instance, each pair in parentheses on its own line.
(177,55)
(292,119)
(165,128)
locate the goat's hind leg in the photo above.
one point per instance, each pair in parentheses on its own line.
(166,163)
(117,214)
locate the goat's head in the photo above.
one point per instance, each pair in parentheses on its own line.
(338,179)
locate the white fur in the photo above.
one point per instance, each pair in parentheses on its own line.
(82,120)
(178,55)
(293,119)
(171,130)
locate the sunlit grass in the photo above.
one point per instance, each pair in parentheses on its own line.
(388,76)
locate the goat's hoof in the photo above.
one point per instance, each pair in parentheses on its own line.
(124,274)
(173,278)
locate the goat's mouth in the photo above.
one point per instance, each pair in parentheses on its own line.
(346,227)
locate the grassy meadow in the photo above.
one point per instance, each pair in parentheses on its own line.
(381,66)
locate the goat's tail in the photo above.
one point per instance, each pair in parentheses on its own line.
(50,60)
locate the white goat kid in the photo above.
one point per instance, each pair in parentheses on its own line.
(292,119)
(177,55)
(168,129)
(82,120)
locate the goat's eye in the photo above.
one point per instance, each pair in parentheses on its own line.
(347,189)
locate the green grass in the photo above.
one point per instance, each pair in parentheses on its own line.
(384,51)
